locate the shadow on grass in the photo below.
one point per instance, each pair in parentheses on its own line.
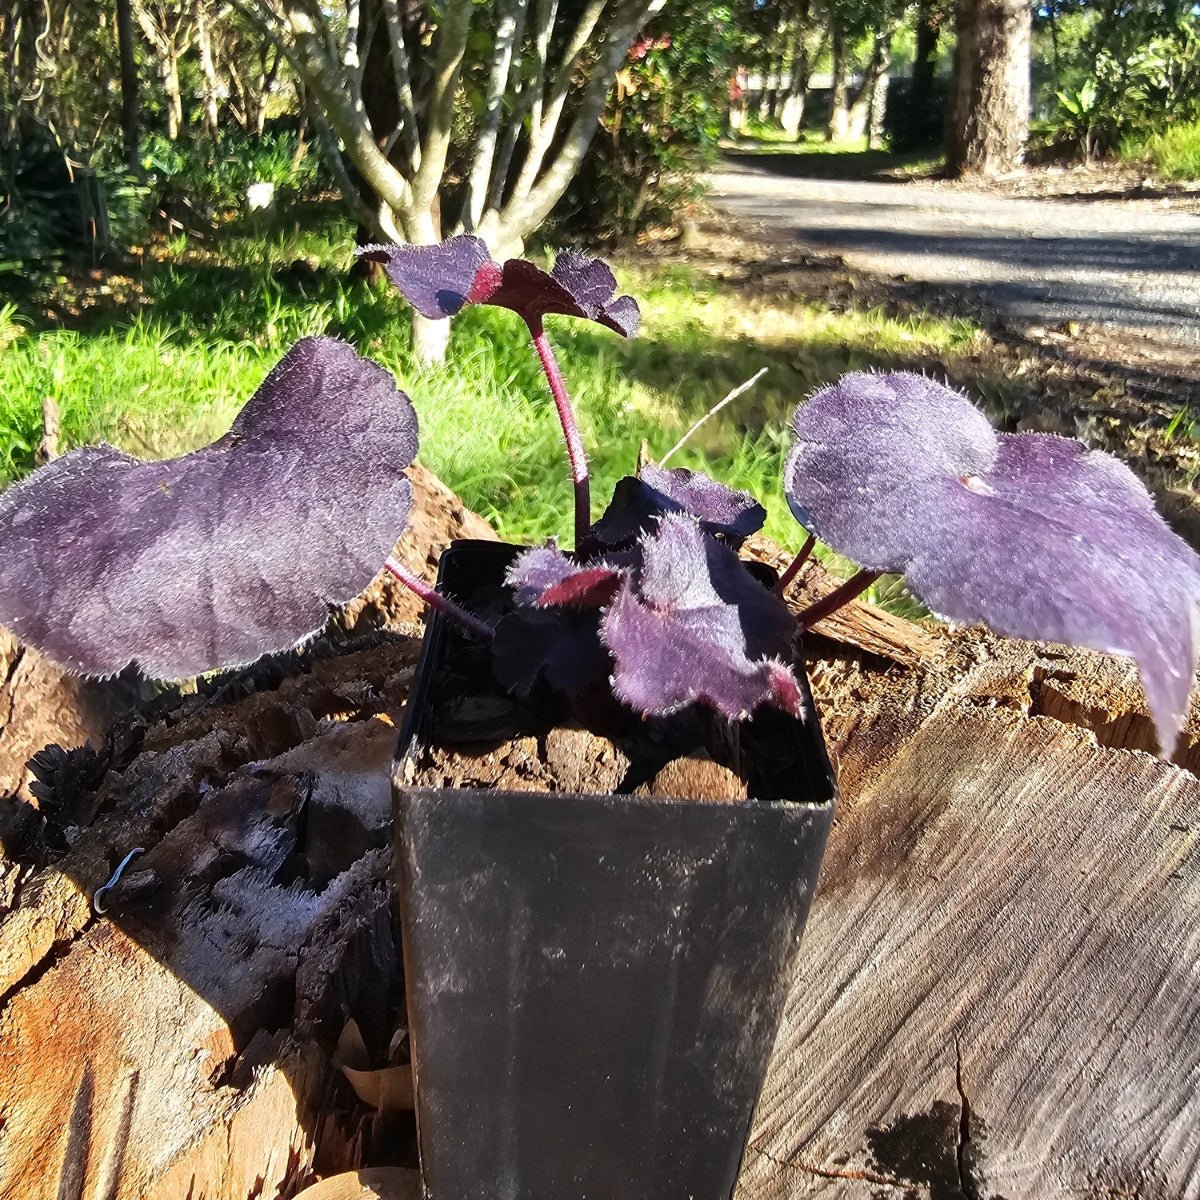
(877,166)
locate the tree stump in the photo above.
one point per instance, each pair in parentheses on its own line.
(997,991)
(184,1043)
(996,994)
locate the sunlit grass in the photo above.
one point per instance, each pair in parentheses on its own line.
(1174,153)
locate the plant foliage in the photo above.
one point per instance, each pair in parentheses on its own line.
(221,556)
(1034,535)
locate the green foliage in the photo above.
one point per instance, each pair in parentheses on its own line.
(1174,154)
(213,178)
(661,125)
(1115,72)
(1080,111)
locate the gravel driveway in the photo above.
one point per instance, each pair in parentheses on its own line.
(1134,264)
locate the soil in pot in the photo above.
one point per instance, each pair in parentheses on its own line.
(481,736)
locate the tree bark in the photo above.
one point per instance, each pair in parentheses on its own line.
(865,116)
(129,84)
(791,114)
(929,31)
(174,95)
(988,122)
(208,73)
(837,126)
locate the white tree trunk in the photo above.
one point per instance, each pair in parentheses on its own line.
(430,340)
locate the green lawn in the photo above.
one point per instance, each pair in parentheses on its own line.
(207,330)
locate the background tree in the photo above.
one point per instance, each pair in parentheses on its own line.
(465,116)
(988,120)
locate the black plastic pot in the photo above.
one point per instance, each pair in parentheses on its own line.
(595,982)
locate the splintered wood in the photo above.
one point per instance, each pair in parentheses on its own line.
(996,994)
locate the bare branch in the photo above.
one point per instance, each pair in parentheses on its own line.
(407,127)
(452,42)
(549,111)
(524,213)
(509,28)
(358,207)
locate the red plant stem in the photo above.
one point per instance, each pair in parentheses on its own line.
(853,586)
(435,599)
(785,580)
(575,451)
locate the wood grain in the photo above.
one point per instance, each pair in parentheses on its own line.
(998,986)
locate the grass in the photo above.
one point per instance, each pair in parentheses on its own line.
(1174,153)
(852,156)
(208,328)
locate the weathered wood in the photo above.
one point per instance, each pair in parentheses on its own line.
(997,994)
(183,1044)
(187,1035)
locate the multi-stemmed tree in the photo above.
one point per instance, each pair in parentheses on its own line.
(458,116)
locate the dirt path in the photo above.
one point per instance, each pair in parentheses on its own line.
(1132,265)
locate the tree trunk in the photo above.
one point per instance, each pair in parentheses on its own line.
(929,30)
(791,115)
(988,122)
(865,117)
(129,84)
(837,126)
(208,73)
(174,95)
(878,107)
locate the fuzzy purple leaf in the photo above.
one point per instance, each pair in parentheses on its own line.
(440,280)
(547,578)
(692,625)
(561,647)
(637,504)
(535,570)
(1034,535)
(220,556)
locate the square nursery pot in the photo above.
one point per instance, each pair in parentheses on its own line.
(595,981)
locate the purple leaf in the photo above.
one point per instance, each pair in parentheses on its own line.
(220,556)
(637,504)
(440,280)
(547,578)
(560,646)
(693,625)
(535,570)
(1034,535)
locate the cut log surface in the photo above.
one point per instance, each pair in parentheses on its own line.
(996,997)
(998,987)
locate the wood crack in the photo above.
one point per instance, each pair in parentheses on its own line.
(798,1163)
(966,1178)
(57,951)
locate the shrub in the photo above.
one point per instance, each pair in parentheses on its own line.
(659,129)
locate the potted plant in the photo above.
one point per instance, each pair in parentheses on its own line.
(594,980)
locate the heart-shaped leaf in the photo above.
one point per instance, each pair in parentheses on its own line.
(692,625)
(440,280)
(1034,535)
(637,504)
(220,556)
